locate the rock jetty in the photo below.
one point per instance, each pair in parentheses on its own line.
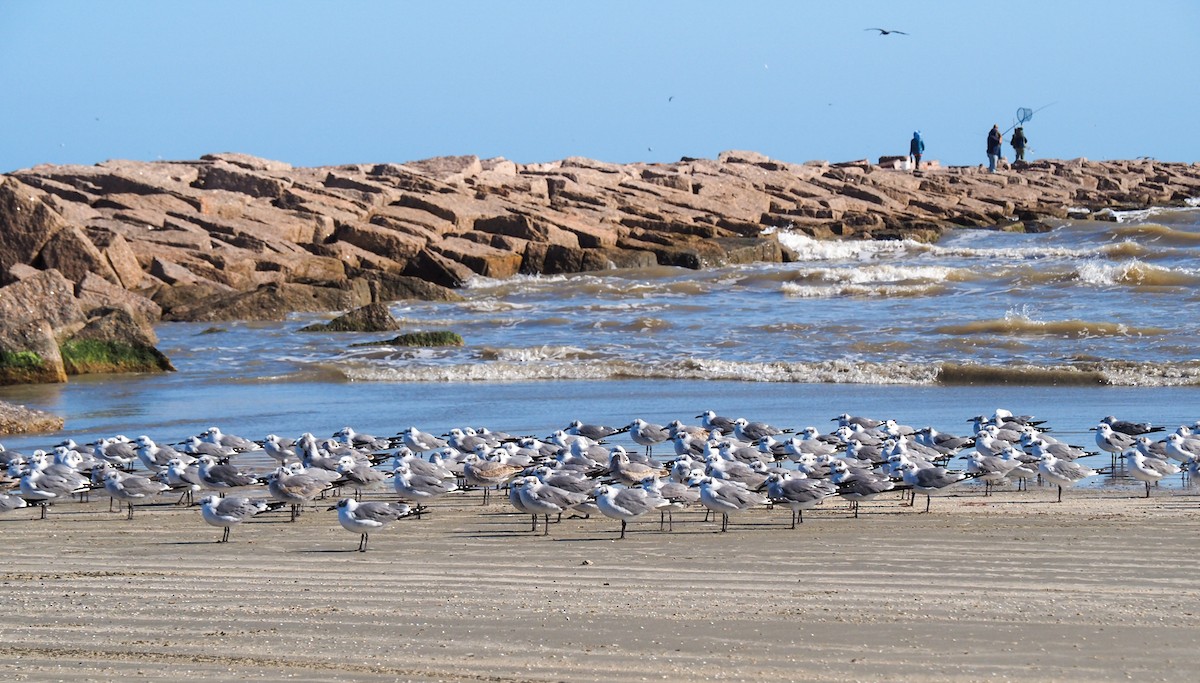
(88,250)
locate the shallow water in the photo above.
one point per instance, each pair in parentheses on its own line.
(1102,309)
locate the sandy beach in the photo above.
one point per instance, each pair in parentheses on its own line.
(1012,586)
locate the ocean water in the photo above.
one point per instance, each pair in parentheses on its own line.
(1091,318)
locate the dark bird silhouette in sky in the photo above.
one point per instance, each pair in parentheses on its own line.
(885,32)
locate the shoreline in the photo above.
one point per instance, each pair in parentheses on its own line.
(1094,588)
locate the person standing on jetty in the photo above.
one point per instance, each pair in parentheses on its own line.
(1018,143)
(916,148)
(995,141)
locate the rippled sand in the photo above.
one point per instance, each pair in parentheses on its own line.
(1101,587)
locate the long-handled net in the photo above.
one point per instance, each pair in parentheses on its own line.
(1025,115)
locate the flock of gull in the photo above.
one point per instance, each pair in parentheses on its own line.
(725,466)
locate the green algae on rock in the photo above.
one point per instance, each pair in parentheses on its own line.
(92,356)
(431,338)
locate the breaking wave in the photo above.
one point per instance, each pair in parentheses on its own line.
(1022,326)
(1161,234)
(1109,373)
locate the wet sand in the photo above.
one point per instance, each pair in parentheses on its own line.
(1013,586)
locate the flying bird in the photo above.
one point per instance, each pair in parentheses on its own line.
(885,32)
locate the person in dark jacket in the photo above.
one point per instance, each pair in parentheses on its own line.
(916,148)
(994,146)
(1018,143)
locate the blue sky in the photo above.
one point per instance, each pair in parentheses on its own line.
(318,83)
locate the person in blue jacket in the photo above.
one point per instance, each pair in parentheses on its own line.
(994,147)
(916,148)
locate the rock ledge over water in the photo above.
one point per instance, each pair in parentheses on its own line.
(231,236)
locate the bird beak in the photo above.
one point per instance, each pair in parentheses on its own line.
(331,507)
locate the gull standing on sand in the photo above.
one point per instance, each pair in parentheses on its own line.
(50,482)
(631,473)
(678,496)
(1148,470)
(182,476)
(155,457)
(1183,449)
(295,488)
(358,475)
(1063,472)
(857,485)
(929,480)
(627,504)
(363,518)
(593,432)
(798,494)
(9,503)
(710,421)
(540,498)
(1113,442)
(647,434)
(485,474)
(131,487)
(417,487)
(226,512)
(725,497)
(420,441)
(745,430)
(222,476)
(237,443)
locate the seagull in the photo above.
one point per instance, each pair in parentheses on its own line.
(631,473)
(487,473)
(222,476)
(886,32)
(419,487)
(1148,470)
(420,441)
(856,485)
(1112,441)
(131,487)
(592,431)
(647,434)
(929,480)
(798,494)
(360,475)
(225,512)
(1129,427)
(539,498)
(294,488)
(9,503)
(745,430)
(627,504)
(725,497)
(1063,472)
(363,518)
(182,476)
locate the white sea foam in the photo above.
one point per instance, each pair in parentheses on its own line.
(1113,373)
(880,273)
(808,249)
(856,290)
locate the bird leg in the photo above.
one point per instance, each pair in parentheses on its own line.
(534,527)
(724,521)
(362,544)
(1060,494)
(622,528)
(928,500)
(224,536)
(546,526)
(130,515)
